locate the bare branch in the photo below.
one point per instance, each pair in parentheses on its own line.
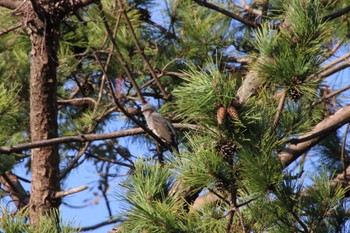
(332,70)
(60,194)
(78,101)
(85,138)
(305,142)
(108,222)
(336,61)
(111,161)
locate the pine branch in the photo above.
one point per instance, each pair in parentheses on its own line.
(226,12)
(337,14)
(305,142)
(120,56)
(141,51)
(126,113)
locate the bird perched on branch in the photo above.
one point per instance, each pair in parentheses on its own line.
(160,126)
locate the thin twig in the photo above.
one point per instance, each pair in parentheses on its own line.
(331,71)
(105,189)
(249,9)
(93,227)
(229,221)
(159,75)
(60,194)
(140,50)
(336,61)
(302,224)
(240,217)
(111,161)
(246,202)
(330,95)
(74,161)
(219,196)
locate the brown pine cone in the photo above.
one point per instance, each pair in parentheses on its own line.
(232,111)
(221,114)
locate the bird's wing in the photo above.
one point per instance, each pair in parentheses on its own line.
(163,128)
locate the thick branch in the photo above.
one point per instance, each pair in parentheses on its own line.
(308,140)
(10,4)
(84,138)
(15,189)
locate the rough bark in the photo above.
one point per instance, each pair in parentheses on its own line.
(43,116)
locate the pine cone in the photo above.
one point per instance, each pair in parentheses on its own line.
(295,94)
(297,80)
(221,114)
(228,149)
(232,111)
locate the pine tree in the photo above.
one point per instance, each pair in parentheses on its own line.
(248,84)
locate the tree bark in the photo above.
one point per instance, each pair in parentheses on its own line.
(43,116)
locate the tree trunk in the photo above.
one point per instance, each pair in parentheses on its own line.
(43,116)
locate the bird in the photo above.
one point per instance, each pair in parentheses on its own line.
(160,126)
